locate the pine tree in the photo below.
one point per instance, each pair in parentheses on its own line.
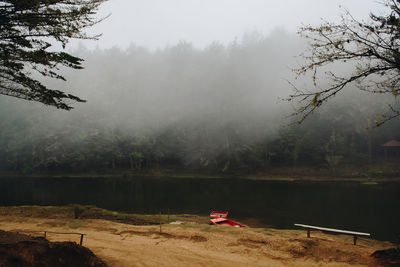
(28,29)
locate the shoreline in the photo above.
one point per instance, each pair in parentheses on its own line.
(267,178)
(192,242)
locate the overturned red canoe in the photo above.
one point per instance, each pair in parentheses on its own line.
(220,218)
(226,222)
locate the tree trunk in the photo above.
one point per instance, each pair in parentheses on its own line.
(131,162)
(369,143)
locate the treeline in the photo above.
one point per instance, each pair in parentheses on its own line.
(326,142)
(214,109)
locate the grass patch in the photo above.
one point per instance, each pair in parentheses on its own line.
(196,176)
(206,228)
(38,211)
(75,211)
(272,178)
(370,183)
(268,231)
(74,224)
(220,229)
(376,173)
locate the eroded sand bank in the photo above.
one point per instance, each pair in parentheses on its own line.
(203,245)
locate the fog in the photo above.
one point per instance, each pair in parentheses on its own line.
(135,87)
(155,24)
(195,102)
(217,107)
(236,87)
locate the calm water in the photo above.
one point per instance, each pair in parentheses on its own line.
(344,205)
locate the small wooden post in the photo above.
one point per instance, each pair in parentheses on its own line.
(354,239)
(45,234)
(80,243)
(160,223)
(308,233)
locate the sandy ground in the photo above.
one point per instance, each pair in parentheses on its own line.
(204,245)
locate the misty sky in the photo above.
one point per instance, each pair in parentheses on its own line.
(159,23)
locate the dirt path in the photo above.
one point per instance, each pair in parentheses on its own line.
(203,245)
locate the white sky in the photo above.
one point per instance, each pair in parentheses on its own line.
(158,23)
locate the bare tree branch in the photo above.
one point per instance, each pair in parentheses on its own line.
(373,47)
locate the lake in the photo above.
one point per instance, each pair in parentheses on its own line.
(345,205)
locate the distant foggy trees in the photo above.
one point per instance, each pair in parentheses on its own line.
(368,51)
(325,144)
(27,31)
(185,109)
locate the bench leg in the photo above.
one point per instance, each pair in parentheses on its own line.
(308,233)
(354,240)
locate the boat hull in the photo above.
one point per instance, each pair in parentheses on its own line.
(225,222)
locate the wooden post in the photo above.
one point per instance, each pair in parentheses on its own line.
(80,243)
(308,233)
(45,234)
(160,223)
(354,239)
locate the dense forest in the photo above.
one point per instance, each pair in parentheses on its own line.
(217,110)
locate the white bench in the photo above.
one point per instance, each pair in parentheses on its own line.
(354,234)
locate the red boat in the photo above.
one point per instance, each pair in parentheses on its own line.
(220,218)
(219,214)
